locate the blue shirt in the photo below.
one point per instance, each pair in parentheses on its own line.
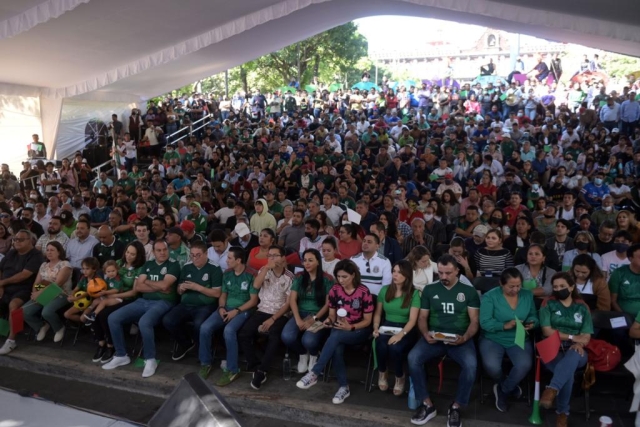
(591,191)
(100,215)
(630,111)
(180,183)
(539,166)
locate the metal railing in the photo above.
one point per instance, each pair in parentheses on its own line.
(191,128)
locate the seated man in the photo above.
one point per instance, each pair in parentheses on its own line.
(200,282)
(236,301)
(447,307)
(274,282)
(157,284)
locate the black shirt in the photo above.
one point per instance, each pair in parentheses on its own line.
(14,263)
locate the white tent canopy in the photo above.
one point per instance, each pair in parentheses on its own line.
(113,54)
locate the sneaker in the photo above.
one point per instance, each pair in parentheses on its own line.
(453,417)
(258,379)
(100,351)
(116,362)
(181,351)
(516,393)
(43,332)
(307,381)
(227,378)
(59,336)
(501,398)
(8,347)
(423,415)
(150,366)
(108,355)
(312,362)
(341,395)
(303,364)
(204,372)
(88,319)
(133,330)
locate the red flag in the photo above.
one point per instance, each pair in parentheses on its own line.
(17,320)
(548,348)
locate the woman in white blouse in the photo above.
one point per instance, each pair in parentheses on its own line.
(425,271)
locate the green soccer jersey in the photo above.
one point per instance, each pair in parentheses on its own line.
(448,308)
(307,300)
(238,288)
(114,284)
(200,222)
(209,276)
(393,310)
(180,255)
(127,275)
(156,273)
(82,284)
(572,320)
(626,284)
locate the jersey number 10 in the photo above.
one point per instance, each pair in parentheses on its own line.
(447,307)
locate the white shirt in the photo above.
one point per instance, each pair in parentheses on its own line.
(220,259)
(375,272)
(334,213)
(610,262)
(78,250)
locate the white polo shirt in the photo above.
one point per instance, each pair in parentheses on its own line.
(374,272)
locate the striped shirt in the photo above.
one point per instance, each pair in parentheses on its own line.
(491,263)
(374,272)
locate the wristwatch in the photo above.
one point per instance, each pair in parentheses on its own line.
(314,318)
(570,337)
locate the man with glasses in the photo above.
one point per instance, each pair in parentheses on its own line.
(199,287)
(54,233)
(375,269)
(157,286)
(18,270)
(274,282)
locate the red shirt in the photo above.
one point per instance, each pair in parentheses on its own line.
(512,214)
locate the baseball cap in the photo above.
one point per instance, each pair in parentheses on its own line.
(480,230)
(506,135)
(615,130)
(195,203)
(176,230)
(448,176)
(187,226)
(241,229)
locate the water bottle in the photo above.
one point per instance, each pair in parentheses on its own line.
(286,367)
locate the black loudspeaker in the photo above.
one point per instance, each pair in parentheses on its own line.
(194,403)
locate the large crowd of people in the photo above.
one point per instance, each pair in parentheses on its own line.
(433,219)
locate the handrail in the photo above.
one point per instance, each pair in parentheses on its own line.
(190,127)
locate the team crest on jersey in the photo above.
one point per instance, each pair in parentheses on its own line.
(244,286)
(355,303)
(376,269)
(460,297)
(164,270)
(205,277)
(577,317)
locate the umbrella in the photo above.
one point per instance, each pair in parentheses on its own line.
(311,88)
(485,80)
(447,82)
(335,87)
(406,83)
(365,86)
(590,77)
(284,89)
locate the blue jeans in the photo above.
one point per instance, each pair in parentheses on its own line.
(334,348)
(148,313)
(396,353)
(302,342)
(210,326)
(564,367)
(464,355)
(492,355)
(180,314)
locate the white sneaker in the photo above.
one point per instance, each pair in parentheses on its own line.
(312,362)
(8,347)
(43,332)
(303,363)
(116,362)
(133,330)
(307,381)
(59,336)
(341,395)
(150,367)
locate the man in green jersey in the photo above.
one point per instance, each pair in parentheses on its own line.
(178,251)
(447,307)
(199,287)
(624,285)
(157,284)
(236,303)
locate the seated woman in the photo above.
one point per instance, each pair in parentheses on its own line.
(591,282)
(349,244)
(399,302)
(329,254)
(574,325)
(425,271)
(56,270)
(536,276)
(584,244)
(491,260)
(350,329)
(258,257)
(500,309)
(309,302)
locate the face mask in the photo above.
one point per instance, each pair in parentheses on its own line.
(618,184)
(160,211)
(448,181)
(620,247)
(607,208)
(494,221)
(520,114)
(597,181)
(428,217)
(169,151)
(535,187)
(581,246)
(224,185)
(562,294)
(308,235)
(578,177)
(549,216)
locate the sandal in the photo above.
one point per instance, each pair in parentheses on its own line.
(398,389)
(383,385)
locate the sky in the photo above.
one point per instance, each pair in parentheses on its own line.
(414,34)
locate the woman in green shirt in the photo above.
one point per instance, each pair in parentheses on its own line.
(130,265)
(309,302)
(568,315)
(400,304)
(500,310)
